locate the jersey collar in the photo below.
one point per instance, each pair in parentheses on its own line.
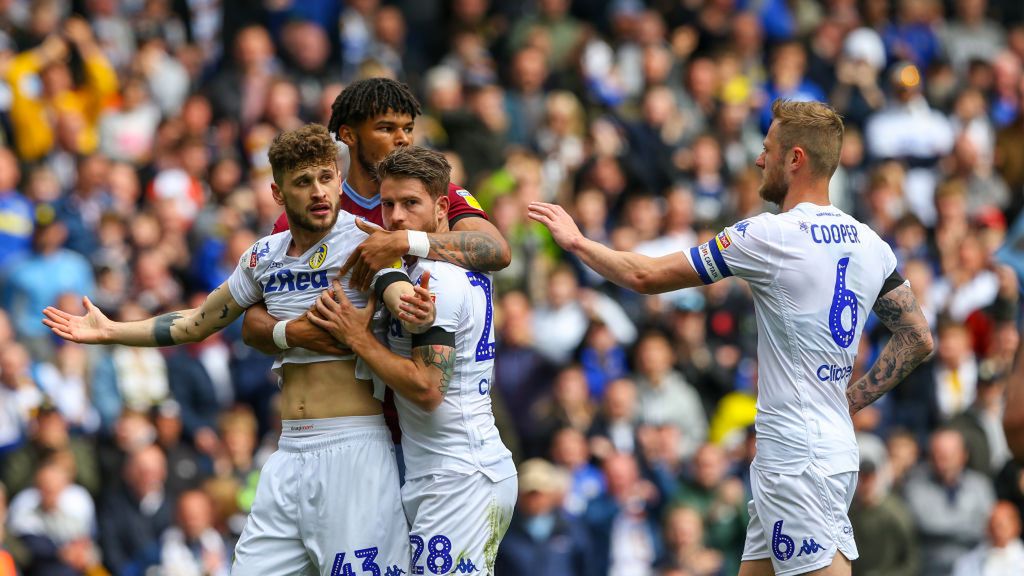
(367,203)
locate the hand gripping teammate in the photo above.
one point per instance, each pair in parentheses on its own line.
(815,273)
(329,497)
(461,483)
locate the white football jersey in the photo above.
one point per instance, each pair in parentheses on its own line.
(460,435)
(290,285)
(815,273)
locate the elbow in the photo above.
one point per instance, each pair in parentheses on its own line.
(429,399)
(927,345)
(504,255)
(642,282)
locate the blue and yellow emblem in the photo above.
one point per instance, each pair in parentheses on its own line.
(470,199)
(319,257)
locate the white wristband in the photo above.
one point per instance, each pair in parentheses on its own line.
(419,244)
(280,338)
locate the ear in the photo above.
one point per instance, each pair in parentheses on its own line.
(346,134)
(798,159)
(275,190)
(441,207)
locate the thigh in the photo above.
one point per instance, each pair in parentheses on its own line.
(803,518)
(270,542)
(761,567)
(457,521)
(352,509)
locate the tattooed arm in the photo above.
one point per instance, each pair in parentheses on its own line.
(911,344)
(216,312)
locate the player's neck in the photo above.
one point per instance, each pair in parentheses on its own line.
(361,182)
(812,192)
(303,240)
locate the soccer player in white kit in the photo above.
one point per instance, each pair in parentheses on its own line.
(815,273)
(328,500)
(461,486)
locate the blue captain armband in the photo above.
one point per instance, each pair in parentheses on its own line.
(708,261)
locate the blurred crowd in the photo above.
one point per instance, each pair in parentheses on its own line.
(134,170)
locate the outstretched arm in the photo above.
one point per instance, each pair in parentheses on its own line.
(911,344)
(474,244)
(181,327)
(423,379)
(634,271)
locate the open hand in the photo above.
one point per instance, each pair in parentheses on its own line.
(417,310)
(335,313)
(563,228)
(92,328)
(381,250)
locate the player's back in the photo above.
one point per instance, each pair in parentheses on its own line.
(815,273)
(460,434)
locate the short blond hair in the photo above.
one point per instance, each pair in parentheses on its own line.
(816,128)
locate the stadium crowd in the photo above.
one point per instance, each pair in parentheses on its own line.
(134,170)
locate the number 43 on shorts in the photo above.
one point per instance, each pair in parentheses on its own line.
(370,566)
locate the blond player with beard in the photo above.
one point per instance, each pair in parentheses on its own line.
(815,273)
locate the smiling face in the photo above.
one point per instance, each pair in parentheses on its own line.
(774,180)
(310,196)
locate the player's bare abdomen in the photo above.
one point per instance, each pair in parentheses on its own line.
(325,390)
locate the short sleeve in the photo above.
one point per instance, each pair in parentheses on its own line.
(462,204)
(748,250)
(242,283)
(450,294)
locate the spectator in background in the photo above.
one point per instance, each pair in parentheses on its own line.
(927,137)
(48,436)
(543,539)
(16,212)
(186,468)
(570,451)
(685,547)
(665,396)
(193,547)
(19,395)
(971,35)
(55,95)
(7,567)
(132,520)
(40,277)
(56,521)
(1002,552)
(948,502)
(614,428)
(882,525)
(623,522)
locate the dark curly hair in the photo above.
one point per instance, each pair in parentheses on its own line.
(364,99)
(310,145)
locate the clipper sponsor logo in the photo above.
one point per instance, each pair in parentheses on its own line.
(288,281)
(833,373)
(319,257)
(834,234)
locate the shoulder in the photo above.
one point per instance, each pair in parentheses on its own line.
(258,253)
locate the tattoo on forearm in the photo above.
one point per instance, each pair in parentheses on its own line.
(470,250)
(162,328)
(224,312)
(442,357)
(909,346)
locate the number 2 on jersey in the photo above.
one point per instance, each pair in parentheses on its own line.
(485,347)
(842,298)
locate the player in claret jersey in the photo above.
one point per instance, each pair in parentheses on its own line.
(815,273)
(460,486)
(373,117)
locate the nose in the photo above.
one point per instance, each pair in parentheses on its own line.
(760,161)
(402,138)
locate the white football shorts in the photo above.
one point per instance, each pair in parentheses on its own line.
(457,521)
(329,497)
(800,520)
